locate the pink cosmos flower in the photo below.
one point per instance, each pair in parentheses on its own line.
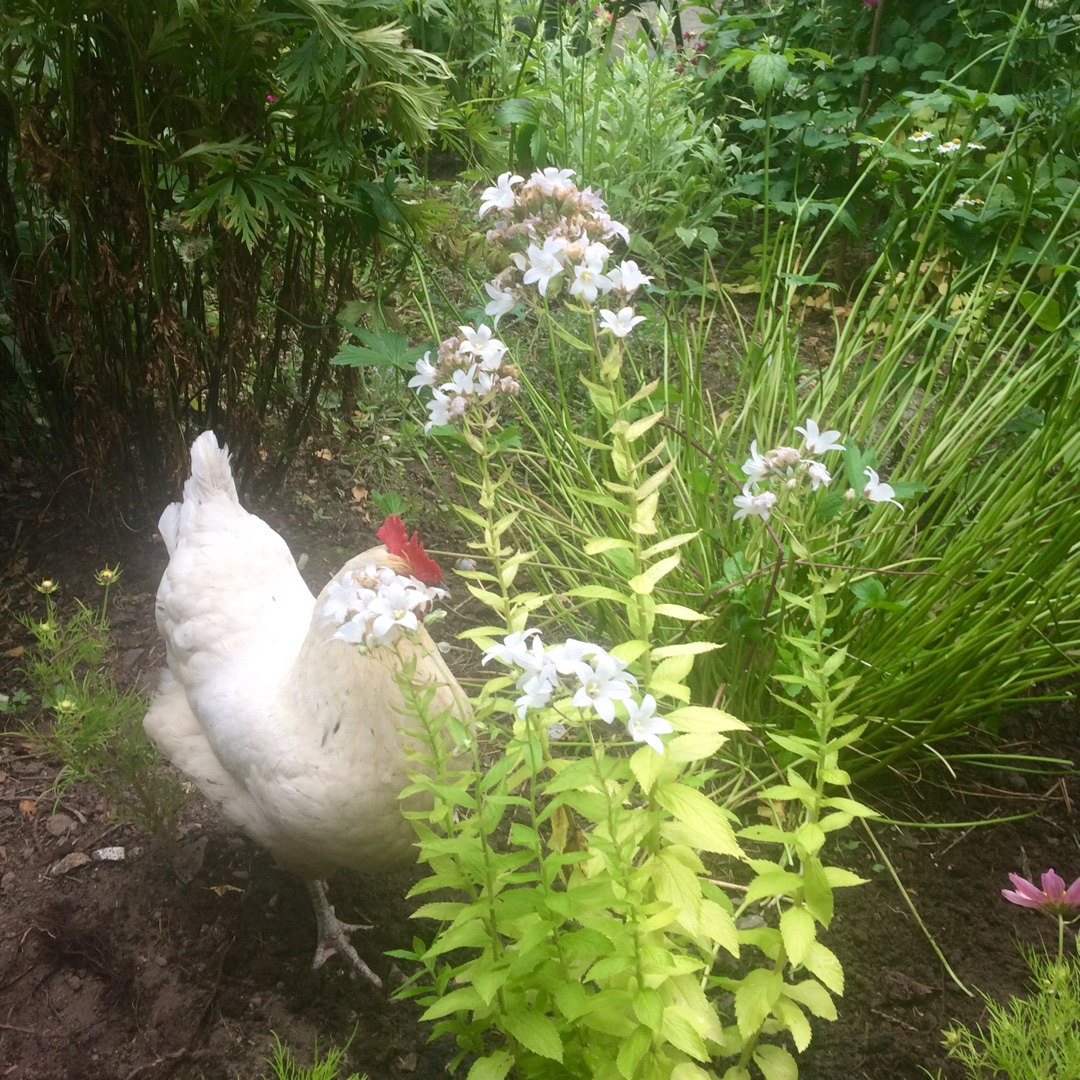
(1053,897)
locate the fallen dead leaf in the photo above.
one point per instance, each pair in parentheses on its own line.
(221,890)
(324,455)
(359,494)
(16,653)
(27,807)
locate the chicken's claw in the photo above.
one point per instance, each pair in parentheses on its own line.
(334,935)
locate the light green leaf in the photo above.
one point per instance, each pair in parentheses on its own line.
(644,583)
(649,1008)
(598,592)
(701,718)
(767,73)
(605,543)
(775,1062)
(679,611)
(465,998)
(839,878)
(794,1019)
(697,747)
(755,997)
(797,930)
(773,883)
(687,648)
(814,996)
(535,1032)
(817,892)
(492,1066)
(712,829)
(646,765)
(671,542)
(823,963)
(632,1051)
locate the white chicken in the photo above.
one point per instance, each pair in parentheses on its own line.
(293,733)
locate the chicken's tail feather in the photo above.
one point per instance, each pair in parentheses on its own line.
(211,475)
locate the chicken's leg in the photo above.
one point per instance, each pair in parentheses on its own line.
(333,934)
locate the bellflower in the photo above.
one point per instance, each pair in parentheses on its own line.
(619,324)
(544,264)
(501,303)
(627,278)
(818,442)
(643,726)
(603,682)
(878,491)
(759,505)
(589,280)
(501,196)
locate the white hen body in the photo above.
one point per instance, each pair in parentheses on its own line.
(294,736)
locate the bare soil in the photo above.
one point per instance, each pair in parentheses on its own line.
(152,968)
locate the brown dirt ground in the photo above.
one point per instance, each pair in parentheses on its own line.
(117,971)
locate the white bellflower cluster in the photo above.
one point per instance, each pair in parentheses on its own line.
(469,372)
(374,606)
(554,233)
(594,680)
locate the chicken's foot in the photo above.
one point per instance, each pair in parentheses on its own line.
(334,934)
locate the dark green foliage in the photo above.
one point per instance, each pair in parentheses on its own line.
(188,194)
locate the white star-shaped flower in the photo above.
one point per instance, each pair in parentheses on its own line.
(878,491)
(818,442)
(619,324)
(758,505)
(627,278)
(545,263)
(502,301)
(603,682)
(644,726)
(426,372)
(501,196)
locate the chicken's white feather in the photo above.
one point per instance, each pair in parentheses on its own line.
(295,736)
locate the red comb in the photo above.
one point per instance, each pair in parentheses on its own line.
(398,542)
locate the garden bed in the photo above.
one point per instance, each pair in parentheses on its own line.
(120,969)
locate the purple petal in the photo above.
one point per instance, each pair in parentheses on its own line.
(1026,895)
(1023,901)
(1072,894)
(1053,887)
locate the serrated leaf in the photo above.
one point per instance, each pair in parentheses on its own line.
(649,1008)
(632,1051)
(797,930)
(775,1062)
(645,582)
(712,829)
(767,73)
(492,1066)
(817,892)
(822,962)
(535,1032)
(773,883)
(814,996)
(646,765)
(754,999)
(794,1019)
